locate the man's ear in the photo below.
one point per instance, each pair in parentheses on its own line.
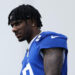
(32,23)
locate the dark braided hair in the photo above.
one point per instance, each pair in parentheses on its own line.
(24,12)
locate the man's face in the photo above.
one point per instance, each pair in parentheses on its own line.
(21,29)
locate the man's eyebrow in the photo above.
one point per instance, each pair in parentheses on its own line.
(14,22)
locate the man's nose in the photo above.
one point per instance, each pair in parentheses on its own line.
(14,29)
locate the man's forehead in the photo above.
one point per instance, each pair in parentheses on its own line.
(11,17)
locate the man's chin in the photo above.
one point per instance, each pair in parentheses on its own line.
(20,40)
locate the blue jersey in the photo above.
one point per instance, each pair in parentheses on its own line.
(33,60)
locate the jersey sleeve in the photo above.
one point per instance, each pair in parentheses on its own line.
(53,41)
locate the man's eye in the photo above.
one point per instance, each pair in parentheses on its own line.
(17,23)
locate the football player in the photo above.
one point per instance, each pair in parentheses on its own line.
(47,51)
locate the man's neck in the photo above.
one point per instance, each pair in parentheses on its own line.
(33,35)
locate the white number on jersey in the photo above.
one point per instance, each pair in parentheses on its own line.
(28,67)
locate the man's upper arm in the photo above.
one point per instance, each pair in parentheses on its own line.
(53,60)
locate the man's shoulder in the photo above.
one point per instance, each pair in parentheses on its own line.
(50,39)
(49,34)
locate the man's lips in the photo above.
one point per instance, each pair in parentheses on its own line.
(18,35)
